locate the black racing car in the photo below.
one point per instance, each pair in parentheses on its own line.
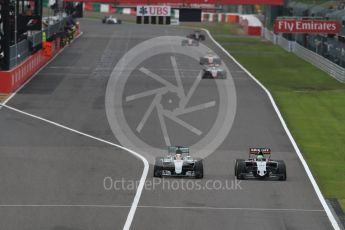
(260,166)
(197,35)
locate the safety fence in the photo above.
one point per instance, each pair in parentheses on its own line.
(322,63)
(315,59)
(20,51)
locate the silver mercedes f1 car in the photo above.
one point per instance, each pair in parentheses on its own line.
(259,165)
(178,163)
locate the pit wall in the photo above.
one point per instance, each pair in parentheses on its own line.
(11,80)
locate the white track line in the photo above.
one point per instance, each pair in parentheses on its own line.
(62,206)
(143,176)
(145,162)
(164,207)
(236,209)
(304,163)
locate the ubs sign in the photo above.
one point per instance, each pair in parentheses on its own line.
(153,11)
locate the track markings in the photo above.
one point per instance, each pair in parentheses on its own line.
(288,133)
(140,188)
(35,74)
(169,207)
(135,202)
(234,209)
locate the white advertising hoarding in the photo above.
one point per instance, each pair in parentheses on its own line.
(153,10)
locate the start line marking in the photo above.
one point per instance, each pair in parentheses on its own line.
(171,207)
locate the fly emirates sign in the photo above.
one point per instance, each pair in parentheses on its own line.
(306,26)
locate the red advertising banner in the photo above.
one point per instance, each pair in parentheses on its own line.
(306,26)
(185,2)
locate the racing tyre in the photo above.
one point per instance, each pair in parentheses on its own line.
(236,165)
(158,168)
(199,169)
(241,168)
(206,75)
(119,21)
(202,37)
(282,170)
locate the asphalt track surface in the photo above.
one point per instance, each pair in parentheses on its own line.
(53,179)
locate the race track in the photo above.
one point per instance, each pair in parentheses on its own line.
(52,178)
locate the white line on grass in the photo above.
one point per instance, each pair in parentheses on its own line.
(304,163)
(145,162)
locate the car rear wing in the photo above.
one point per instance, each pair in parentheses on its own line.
(173,149)
(256,151)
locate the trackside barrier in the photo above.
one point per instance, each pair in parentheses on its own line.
(269,35)
(284,43)
(12,79)
(315,59)
(322,63)
(231,18)
(251,24)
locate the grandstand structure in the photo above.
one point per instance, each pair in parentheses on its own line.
(330,46)
(28,40)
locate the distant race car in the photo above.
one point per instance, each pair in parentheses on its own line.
(214,72)
(189,42)
(197,35)
(259,165)
(178,163)
(111,20)
(210,59)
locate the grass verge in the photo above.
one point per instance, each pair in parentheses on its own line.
(3,97)
(312,103)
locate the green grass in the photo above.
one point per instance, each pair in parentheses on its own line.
(342,203)
(312,104)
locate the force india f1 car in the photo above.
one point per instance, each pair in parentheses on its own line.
(177,163)
(197,35)
(189,42)
(210,59)
(259,165)
(111,20)
(214,72)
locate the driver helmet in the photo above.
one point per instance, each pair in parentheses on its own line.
(260,157)
(178,154)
